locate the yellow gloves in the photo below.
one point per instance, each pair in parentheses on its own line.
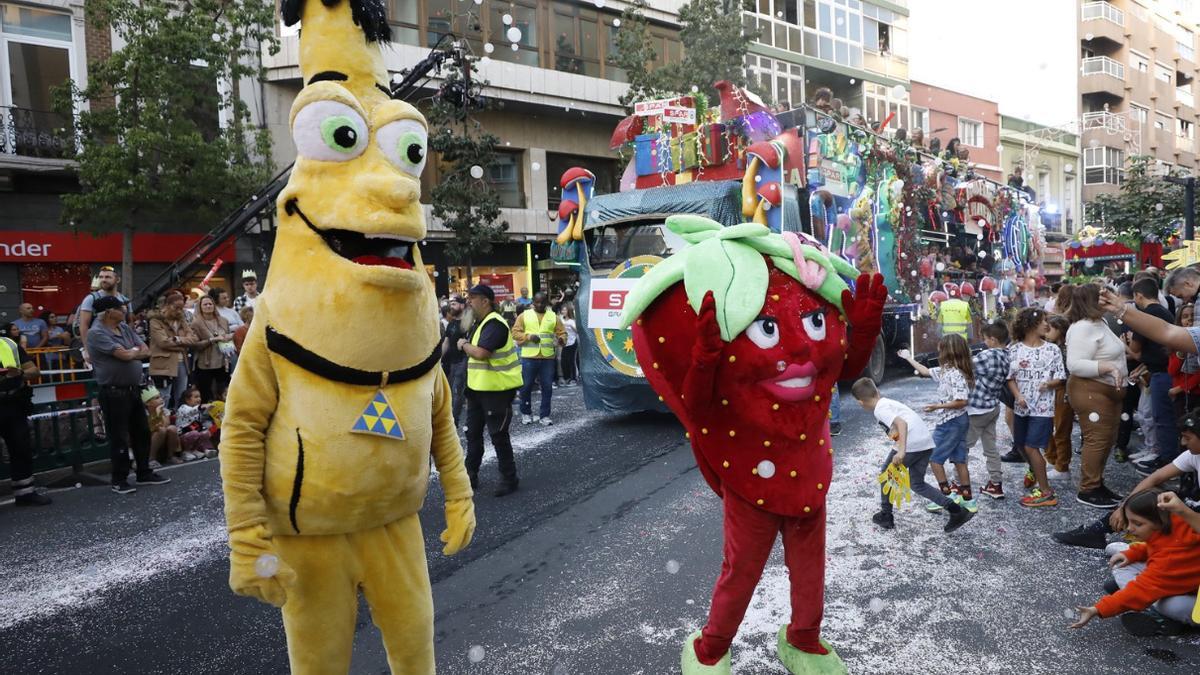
(460,525)
(896,484)
(246,546)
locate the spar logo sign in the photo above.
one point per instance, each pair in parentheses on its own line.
(606,301)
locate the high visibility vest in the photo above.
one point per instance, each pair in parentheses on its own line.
(502,371)
(10,357)
(544,330)
(954,316)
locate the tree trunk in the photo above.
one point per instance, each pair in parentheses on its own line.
(127,262)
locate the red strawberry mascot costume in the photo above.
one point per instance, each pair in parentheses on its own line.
(744,334)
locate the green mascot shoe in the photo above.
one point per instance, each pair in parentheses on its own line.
(803,663)
(691,664)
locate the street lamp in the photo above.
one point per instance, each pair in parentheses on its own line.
(1189,204)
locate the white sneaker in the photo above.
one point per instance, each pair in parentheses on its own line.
(536,419)
(1144,454)
(1055,474)
(546,421)
(526,419)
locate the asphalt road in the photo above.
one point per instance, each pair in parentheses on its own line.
(602,563)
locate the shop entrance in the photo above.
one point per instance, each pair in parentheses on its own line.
(56,287)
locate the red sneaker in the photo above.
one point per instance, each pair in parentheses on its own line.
(993,490)
(1029,481)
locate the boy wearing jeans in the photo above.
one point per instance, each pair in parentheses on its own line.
(914,447)
(983,405)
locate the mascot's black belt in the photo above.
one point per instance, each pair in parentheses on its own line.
(318,365)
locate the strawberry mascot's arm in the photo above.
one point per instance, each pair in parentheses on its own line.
(743,334)
(864,313)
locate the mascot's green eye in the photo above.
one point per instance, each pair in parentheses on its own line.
(339,133)
(404,143)
(329,131)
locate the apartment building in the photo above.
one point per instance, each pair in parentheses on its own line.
(856,48)
(1137,86)
(975,122)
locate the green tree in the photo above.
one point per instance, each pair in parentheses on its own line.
(1146,208)
(715,46)
(151,148)
(463,200)
(635,55)
(714,49)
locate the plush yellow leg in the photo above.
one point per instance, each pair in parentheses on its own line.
(577,224)
(319,614)
(396,585)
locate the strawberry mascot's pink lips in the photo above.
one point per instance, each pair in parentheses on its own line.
(795,383)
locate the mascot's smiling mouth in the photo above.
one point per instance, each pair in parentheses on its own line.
(364,249)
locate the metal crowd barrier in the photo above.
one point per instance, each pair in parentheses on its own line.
(59,364)
(67,432)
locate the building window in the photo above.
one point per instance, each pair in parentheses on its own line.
(1137,112)
(970,132)
(404,16)
(608,175)
(1043,183)
(37,46)
(504,175)
(1103,165)
(920,119)
(1139,63)
(1164,73)
(833,31)
(881,104)
(783,82)
(1185,129)
(1162,122)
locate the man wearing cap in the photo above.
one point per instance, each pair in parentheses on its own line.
(117,355)
(493,377)
(107,279)
(250,286)
(538,331)
(16,369)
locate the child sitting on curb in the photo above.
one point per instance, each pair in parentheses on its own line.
(1158,574)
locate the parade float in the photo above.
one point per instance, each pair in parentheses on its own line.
(924,220)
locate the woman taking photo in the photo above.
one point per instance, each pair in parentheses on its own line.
(1096,388)
(212,330)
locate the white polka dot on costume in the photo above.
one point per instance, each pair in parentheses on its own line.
(766,468)
(1095,417)
(1124,417)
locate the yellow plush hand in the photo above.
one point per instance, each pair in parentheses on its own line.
(896,484)
(460,525)
(246,546)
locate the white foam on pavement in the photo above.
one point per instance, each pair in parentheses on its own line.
(81,574)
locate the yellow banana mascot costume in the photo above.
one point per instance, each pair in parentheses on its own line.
(337,402)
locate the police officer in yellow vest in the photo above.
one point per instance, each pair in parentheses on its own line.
(954,317)
(15,402)
(538,332)
(493,377)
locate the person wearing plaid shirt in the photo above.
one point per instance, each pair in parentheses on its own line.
(983,405)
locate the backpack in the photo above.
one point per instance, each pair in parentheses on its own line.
(95,295)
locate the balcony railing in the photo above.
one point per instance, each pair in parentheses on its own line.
(1102,65)
(1184,96)
(1103,10)
(1185,51)
(32,133)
